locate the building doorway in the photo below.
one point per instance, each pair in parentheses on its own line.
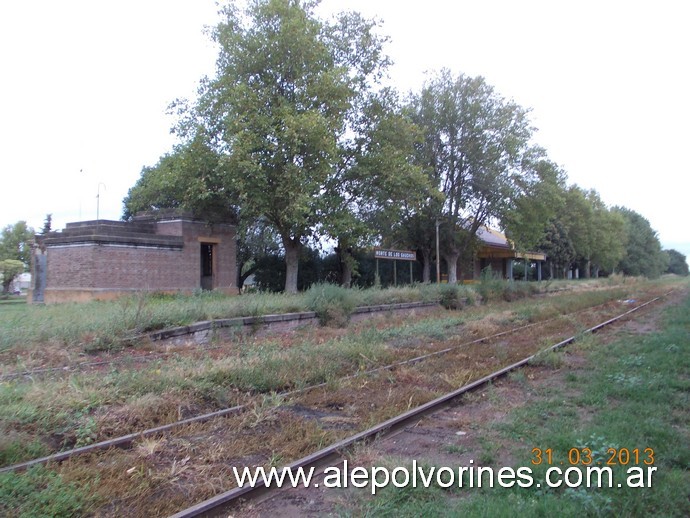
(207,269)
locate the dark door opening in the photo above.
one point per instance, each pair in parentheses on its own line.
(206,266)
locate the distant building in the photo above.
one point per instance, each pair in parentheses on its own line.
(104,259)
(21,283)
(496,251)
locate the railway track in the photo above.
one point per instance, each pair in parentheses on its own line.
(296,400)
(125,441)
(128,439)
(224,502)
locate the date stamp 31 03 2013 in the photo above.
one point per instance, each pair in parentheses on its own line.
(585,457)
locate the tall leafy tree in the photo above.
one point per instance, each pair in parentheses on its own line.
(376,181)
(578,219)
(47,224)
(643,254)
(677,263)
(559,249)
(15,242)
(9,269)
(539,195)
(609,238)
(585,225)
(15,252)
(285,87)
(189,178)
(256,241)
(474,143)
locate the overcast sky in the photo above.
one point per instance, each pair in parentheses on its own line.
(85,86)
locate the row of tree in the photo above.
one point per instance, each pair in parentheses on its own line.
(297,142)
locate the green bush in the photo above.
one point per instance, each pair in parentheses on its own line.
(332,304)
(450,296)
(490,286)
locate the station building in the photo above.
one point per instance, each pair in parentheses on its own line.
(496,251)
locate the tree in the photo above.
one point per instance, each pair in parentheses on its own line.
(417,231)
(539,196)
(474,144)
(189,178)
(284,91)
(255,243)
(47,225)
(610,240)
(9,269)
(376,181)
(559,249)
(578,219)
(643,255)
(15,242)
(584,231)
(676,263)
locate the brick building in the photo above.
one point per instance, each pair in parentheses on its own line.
(102,259)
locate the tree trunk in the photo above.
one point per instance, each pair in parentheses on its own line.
(346,263)
(292,248)
(551,277)
(426,266)
(452,263)
(526,264)
(244,276)
(588,265)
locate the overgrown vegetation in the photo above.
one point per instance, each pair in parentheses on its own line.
(106,325)
(41,492)
(631,394)
(83,408)
(332,304)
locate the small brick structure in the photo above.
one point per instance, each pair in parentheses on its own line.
(96,260)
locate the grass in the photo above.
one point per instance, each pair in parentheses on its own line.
(103,325)
(41,492)
(634,394)
(84,408)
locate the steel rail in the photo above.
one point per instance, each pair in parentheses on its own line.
(126,440)
(78,367)
(327,455)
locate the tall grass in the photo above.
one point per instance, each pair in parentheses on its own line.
(104,324)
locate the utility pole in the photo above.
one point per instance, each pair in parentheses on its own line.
(438,259)
(98,200)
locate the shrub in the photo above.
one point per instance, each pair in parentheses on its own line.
(515,290)
(490,286)
(450,296)
(332,304)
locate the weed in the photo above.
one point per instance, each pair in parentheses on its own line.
(41,492)
(571,377)
(86,433)
(518,376)
(148,446)
(450,296)
(489,451)
(490,285)
(550,359)
(332,304)
(454,449)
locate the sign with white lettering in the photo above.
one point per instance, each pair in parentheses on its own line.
(396,255)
